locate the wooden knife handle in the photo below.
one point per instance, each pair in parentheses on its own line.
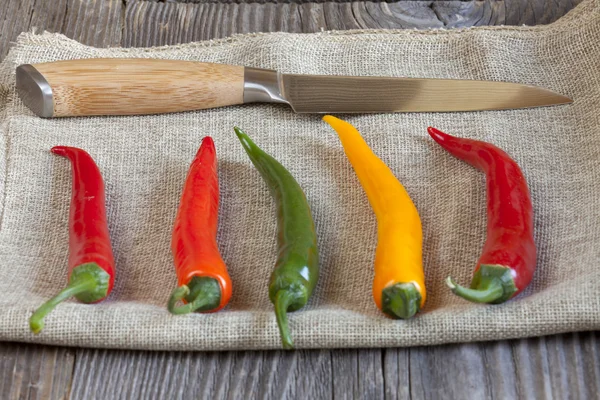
(127,86)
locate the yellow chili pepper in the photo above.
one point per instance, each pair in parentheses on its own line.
(399,284)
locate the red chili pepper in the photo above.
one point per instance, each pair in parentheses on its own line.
(91,263)
(508,261)
(204,283)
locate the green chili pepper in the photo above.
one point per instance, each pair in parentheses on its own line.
(297,268)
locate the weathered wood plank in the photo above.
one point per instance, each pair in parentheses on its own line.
(519,11)
(147,23)
(455,14)
(563,366)
(93,22)
(14,19)
(222,19)
(449,372)
(505,12)
(35,372)
(396,373)
(527,12)
(532,369)
(150,23)
(106,374)
(346,374)
(357,374)
(500,374)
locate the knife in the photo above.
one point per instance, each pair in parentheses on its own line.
(149,86)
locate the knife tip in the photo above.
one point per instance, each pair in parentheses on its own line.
(557,98)
(560,99)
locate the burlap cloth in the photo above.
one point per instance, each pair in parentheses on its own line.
(144,160)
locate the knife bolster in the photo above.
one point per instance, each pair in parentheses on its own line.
(263,86)
(35,91)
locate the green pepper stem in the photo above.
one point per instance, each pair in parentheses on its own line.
(488,290)
(200,301)
(178,294)
(86,283)
(401,300)
(283,299)
(202,294)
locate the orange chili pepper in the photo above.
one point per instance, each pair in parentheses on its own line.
(204,283)
(399,284)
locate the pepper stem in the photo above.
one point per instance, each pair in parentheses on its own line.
(84,283)
(401,300)
(178,294)
(201,294)
(488,290)
(283,299)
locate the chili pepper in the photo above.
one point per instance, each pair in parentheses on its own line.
(91,263)
(297,268)
(399,283)
(204,283)
(508,260)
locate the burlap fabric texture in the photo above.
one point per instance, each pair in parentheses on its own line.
(144,160)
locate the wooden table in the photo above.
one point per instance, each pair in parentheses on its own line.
(560,367)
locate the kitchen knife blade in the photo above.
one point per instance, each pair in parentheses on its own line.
(149,86)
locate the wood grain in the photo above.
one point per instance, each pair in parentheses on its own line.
(149,23)
(104,23)
(562,366)
(527,12)
(15,16)
(455,14)
(35,372)
(132,86)
(397,373)
(93,22)
(172,23)
(105,374)
(343,374)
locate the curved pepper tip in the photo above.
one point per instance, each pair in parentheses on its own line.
(401,300)
(244,138)
(283,299)
(335,122)
(238,131)
(59,150)
(436,134)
